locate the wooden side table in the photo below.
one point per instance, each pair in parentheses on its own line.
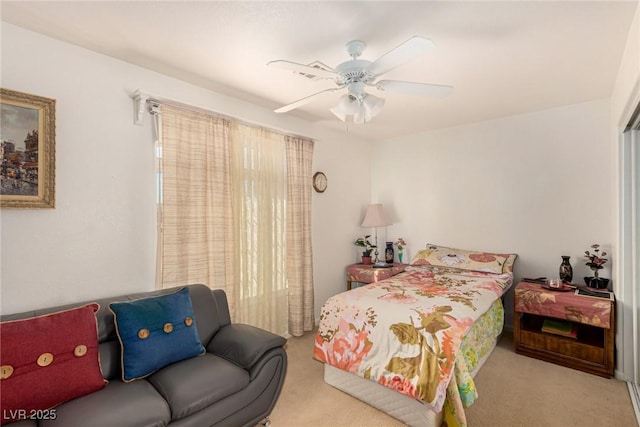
(592,349)
(368,273)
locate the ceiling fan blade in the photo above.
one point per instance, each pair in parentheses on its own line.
(404,52)
(413,88)
(304,100)
(303,69)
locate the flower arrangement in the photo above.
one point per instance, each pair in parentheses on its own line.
(596,260)
(364,242)
(400,243)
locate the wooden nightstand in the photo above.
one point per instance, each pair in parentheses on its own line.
(592,350)
(368,273)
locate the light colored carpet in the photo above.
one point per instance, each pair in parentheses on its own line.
(514,391)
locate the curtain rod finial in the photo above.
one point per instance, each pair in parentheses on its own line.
(139,103)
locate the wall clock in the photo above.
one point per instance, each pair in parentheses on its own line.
(319,182)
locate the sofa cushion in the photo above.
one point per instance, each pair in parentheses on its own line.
(193,384)
(47,360)
(135,404)
(155,332)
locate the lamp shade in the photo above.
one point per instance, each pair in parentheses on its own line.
(361,108)
(373,105)
(346,107)
(375,216)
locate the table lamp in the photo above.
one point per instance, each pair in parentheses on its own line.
(376,217)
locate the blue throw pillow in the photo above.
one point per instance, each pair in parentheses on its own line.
(155,332)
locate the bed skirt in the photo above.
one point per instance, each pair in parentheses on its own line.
(410,411)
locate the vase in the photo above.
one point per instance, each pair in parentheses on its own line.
(388,253)
(366,260)
(400,256)
(566,272)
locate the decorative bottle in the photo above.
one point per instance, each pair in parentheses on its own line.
(566,272)
(388,253)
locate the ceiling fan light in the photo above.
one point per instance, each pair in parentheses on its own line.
(360,111)
(345,107)
(373,105)
(367,116)
(360,115)
(357,74)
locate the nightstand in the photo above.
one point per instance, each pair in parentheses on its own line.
(592,320)
(368,273)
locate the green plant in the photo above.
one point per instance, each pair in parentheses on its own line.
(365,243)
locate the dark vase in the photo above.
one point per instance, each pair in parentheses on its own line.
(388,253)
(566,272)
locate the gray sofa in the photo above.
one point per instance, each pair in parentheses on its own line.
(235,383)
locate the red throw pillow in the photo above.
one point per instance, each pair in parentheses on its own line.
(48,360)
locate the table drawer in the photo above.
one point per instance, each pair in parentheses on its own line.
(563,346)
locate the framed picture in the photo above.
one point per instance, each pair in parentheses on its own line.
(27,150)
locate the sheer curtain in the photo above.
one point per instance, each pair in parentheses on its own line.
(234,214)
(259,205)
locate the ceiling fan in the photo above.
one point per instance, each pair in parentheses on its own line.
(357,74)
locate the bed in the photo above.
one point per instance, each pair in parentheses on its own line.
(411,344)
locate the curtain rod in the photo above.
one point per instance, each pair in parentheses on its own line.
(141,99)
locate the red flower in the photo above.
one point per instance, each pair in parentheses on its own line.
(595,260)
(482,257)
(346,350)
(400,384)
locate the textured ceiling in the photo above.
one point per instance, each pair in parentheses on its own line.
(503,58)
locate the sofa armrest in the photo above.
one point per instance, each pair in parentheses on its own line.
(243,344)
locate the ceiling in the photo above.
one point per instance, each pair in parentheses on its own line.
(503,58)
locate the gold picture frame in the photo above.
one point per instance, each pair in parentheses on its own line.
(27,150)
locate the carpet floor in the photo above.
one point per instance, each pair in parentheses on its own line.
(514,391)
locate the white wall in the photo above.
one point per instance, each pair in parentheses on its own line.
(337,214)
(536,184)
(498,185)
(100,240)
(624,96)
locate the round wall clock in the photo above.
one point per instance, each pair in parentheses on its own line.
(319,182)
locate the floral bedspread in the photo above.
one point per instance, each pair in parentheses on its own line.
(476,345)
(405,332)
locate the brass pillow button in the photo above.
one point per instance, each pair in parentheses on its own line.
(5,371)
(188,321)
(80,350)
(143,333)
(168,328)
(45,359)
